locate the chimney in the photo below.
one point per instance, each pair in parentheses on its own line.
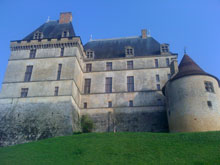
(174,67)
(65,17)
(144,33)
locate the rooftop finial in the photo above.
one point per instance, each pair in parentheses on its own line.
(149,33)
(184,49)
(48,19)
(90,38)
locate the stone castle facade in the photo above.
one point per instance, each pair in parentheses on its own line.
(52,79)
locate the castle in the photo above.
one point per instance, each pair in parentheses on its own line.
(122,84)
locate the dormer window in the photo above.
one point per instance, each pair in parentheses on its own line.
(129,51)
(65,34)
(164,48)
(90,54)
(38,35)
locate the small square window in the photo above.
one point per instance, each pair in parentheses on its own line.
(209,86)
(209,103)
(24,92)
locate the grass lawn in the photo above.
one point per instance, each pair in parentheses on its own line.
(119,148)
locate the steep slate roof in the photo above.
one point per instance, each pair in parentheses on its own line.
(52,29)
(188,67)
(115,48)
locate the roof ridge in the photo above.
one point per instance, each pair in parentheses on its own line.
(107,39)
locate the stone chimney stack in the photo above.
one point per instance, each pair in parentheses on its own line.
(65,17)
(174,67)
(144,33)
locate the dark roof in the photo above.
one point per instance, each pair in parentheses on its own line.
(188,67)
(52,29)
(115,48)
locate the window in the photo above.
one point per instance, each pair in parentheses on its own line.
(168,62)
(56,91)
(87,85)
(32,53)
(156,63)
(164,48)
(130,83)
(108,84)
(85,105)
(28,73)
(89,54)
(209,86)
(65,34)
(24,92)
(108,65)
(38,35)
(168,76)
(109,104)
(158,86)
(129,51)
(88,67)
(62,52)
(209,103)
(157,78)
(59,71)
(129,64)
(130,103)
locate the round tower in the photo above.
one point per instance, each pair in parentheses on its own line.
(193,99)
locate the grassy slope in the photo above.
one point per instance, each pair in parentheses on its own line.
(119,148)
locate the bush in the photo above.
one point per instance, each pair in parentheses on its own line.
(86,124)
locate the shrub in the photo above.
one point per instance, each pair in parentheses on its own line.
(86,124)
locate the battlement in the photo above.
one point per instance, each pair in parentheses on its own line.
(45,43)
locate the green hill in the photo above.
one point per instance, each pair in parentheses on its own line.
(118,148)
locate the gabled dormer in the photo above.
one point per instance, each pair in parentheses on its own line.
(65,33)
(129,51)
(90,54)
(38,35)
(164,48)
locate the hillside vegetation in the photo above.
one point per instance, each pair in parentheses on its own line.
(118,148)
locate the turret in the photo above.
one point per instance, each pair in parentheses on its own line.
(193,99)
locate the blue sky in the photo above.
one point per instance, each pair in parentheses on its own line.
(194,24)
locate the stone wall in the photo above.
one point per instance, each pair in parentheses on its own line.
(133,119)
(29,119)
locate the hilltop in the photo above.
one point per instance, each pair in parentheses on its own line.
(118,148)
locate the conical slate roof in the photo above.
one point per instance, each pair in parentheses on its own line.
(188,67)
